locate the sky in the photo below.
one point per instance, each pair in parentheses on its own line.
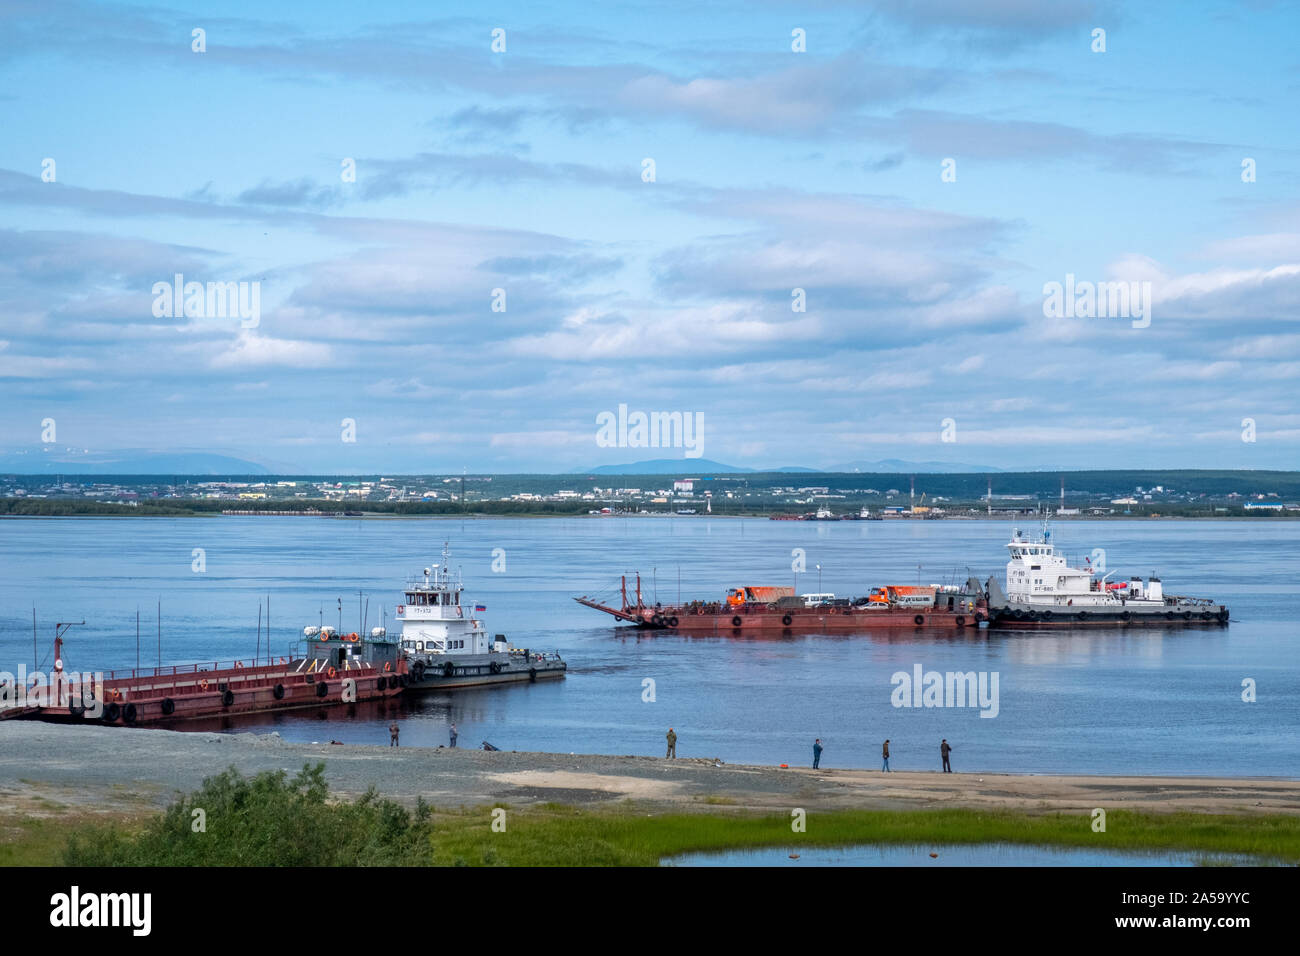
(616,206)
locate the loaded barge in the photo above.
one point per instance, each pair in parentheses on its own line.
(776,610)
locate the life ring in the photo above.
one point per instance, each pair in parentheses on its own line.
(278,691)
(322,689)
(203,684)
(331,672)
(736,621)
(672,622)
(227,698)
(168,706)
(787,620)
(239,665)
(388,666)
(353,637)
(918,620)
(117,694)
(324,637)
(960,621)
(401,609)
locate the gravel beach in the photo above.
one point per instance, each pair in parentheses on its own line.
(46,767)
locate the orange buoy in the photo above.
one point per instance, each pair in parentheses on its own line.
(785,766)
(331,672)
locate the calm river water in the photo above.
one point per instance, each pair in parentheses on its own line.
(1162,702)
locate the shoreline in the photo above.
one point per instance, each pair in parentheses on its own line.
(47,769)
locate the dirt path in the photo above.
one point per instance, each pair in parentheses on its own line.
(45,768)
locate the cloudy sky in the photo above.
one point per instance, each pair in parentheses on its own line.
(920,171)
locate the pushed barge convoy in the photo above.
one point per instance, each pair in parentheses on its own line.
(1041,591)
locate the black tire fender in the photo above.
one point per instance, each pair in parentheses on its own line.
(736,621)
(111,712)
(278,692)
(128,713)
(227,698)
(532,675)
(449,669)
(787,620)
(322,689)
(168,706)
(672,622)
(919,620)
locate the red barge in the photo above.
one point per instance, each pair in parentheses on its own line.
(334,669)
(769,610)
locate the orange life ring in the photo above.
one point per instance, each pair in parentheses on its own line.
(239,665)
(388,666)
(203,683)
(324,637)
(117,694)
(283,661)
(331,672)
(353,637)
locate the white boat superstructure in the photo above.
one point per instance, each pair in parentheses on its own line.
(435,621)
(1040,578)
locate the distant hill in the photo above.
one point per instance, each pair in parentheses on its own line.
(126,462)
(669,466)
(893,466)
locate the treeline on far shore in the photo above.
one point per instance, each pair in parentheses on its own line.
(198,507)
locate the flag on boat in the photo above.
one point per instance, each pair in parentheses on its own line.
(480,607)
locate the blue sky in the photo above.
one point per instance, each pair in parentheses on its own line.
(775,170)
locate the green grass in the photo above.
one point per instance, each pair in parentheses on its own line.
(271,820)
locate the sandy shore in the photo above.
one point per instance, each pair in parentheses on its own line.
(46,767)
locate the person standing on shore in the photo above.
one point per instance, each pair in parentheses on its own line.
(885,768)
(944,750)
(672,744)
(817,753)
(393,731)
(453,736)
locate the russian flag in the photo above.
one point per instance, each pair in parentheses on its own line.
(480,607)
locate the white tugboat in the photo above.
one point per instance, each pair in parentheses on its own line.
(446,646)
(1042,589)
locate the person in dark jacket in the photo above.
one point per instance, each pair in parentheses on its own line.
(817,752)
(393,731)
(672,744)
(453,735)
(885,768)
(944,750)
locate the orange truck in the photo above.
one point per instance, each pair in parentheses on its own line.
(738,596)
(902,595)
